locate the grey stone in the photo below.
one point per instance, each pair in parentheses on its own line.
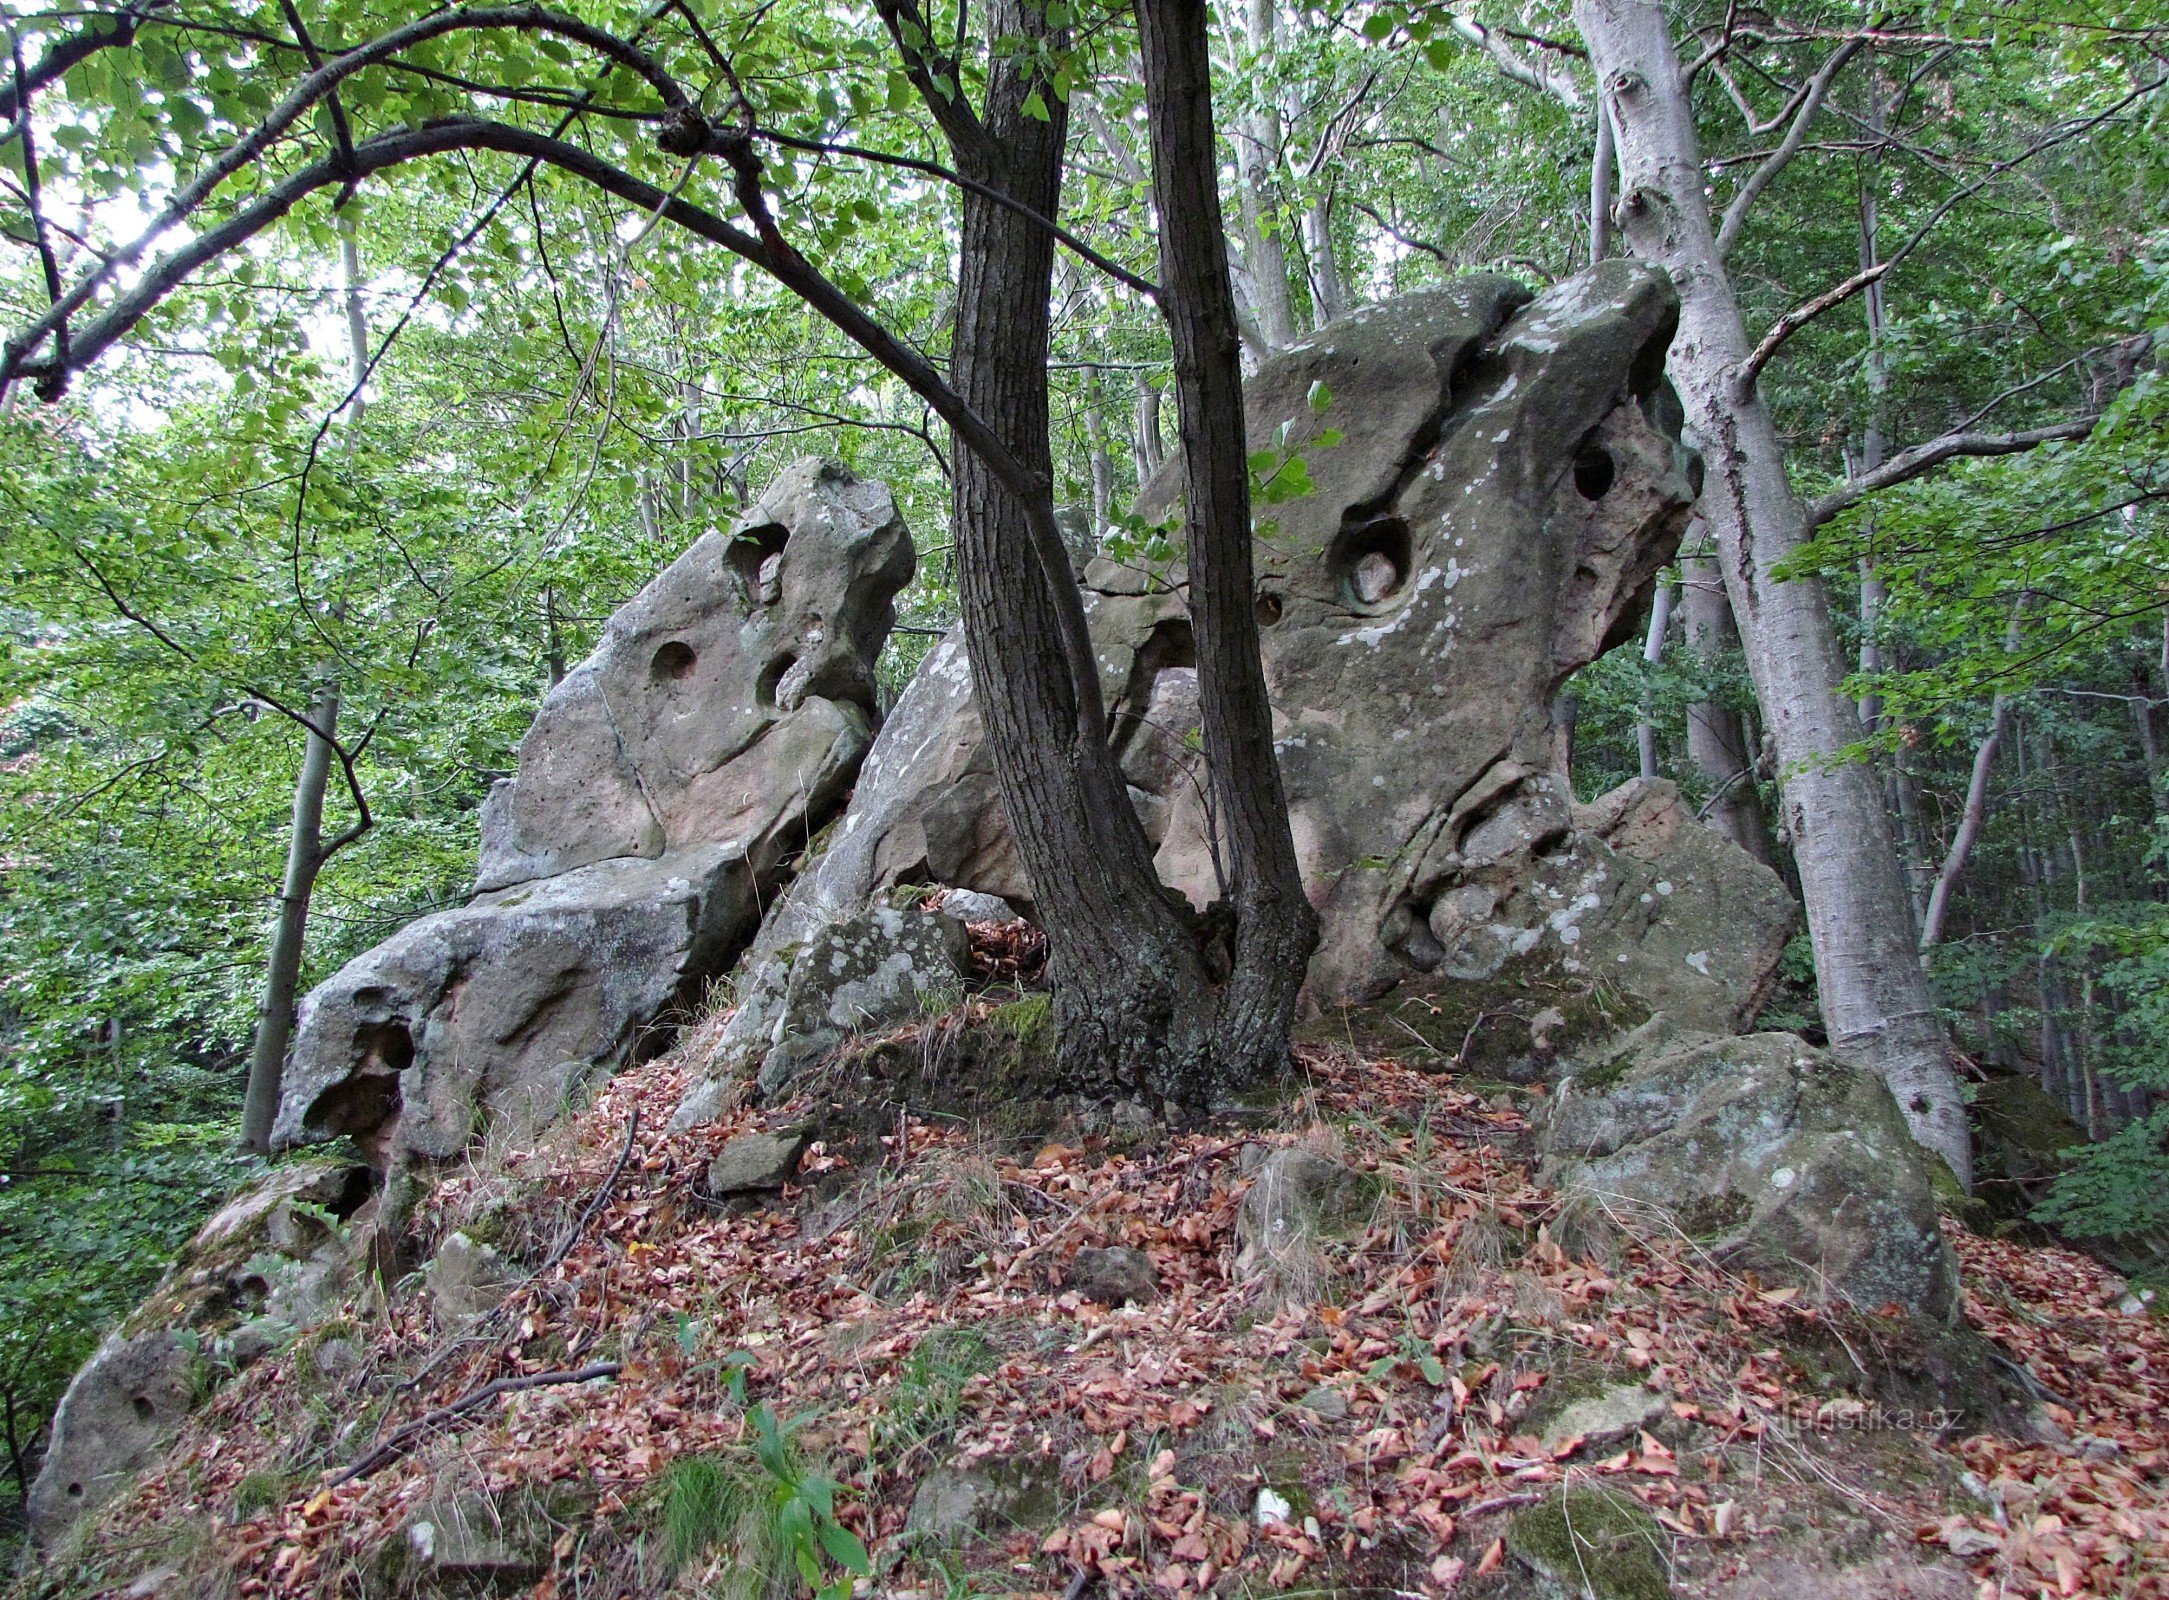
(855,974)
(337,1359)
(969,905)
(756,1163)
(663,792)
(467,1279)
(117,1416)
(1113,1277)
(469,1544)
(268,1264)
(1327,1405)
(967,1500)
(1791,1162)
(1299,1200)
(1599,1419)
(1471,541)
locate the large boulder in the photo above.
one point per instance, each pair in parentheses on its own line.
(1497,480)
(1786,1160)
(268,1264)
(664,789)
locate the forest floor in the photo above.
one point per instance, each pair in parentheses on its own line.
(910,1314)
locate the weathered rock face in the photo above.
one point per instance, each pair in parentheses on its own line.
(661,791)
(1508,483)
(268,1263)
(1789,1161)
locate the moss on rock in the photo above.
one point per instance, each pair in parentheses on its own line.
(1595,1544)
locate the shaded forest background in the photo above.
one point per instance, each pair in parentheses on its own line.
(207,533)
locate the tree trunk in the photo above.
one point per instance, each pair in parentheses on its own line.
(1275,926)
(1132,996)
(1600,188)
(1328,293)
(1876,1002)
(1098,462)
(1257,154)
(1645,731)
(305,858)
(1716,738)
(1150,452)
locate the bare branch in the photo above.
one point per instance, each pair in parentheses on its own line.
(1922,459)
(1811,101)
(934,169)
(1559,85)
(1793,321)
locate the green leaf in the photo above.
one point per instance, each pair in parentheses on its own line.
(845,1549)
(1377,27)
(1035,107)
(1320,397)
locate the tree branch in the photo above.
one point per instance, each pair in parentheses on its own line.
(116,30)
(1923,459)
(1559,85)
(1811,101)
(1793,321)
(913,36)
(934,169)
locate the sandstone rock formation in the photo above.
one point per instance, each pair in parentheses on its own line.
(1497,482)
(663,789)
(266,1264)
(1785,1159)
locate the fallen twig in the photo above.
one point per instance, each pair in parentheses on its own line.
(405,1439)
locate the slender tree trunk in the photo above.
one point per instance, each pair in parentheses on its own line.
(1600,188)
(1717,740)
(1099,462)
(305,858)
(1970,822)
(1150,451)
(1257,155)
(1875,1000)
(1275,926)
(1645,731)
(1328,293)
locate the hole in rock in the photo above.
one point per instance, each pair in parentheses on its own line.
(750,551)
(1370,561)
(673,661)
(764,691)
(76,1490)
(1269,609)
(143,1407)
(1594,473)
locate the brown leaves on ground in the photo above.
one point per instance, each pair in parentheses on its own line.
(1387,1417)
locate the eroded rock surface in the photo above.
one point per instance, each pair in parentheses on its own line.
(267,1264)
(663,788)
(1785,1159)
(1506,484)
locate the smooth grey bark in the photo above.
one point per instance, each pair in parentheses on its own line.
(1099,463)
(1645,731)
(305,858)
(1876,1003)
(1970,821)
(1717,740)
(1257,154)
(1328,292)
(1146,441)
(1600,188)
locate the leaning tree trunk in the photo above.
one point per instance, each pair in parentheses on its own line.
(1132,998)
(1876,1003)
(1275,926)
(305,857)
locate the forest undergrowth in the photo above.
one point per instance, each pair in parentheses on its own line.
(907,1312)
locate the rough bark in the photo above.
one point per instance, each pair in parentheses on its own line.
(1876,1003)
(305,857)
(1132,996)
(1275,927)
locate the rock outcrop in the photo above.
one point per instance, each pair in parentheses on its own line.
(1497,480)
(1785,1159)
(663,789)
(268,1263)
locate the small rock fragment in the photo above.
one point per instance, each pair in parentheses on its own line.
(1113,1277)
(756,1163)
